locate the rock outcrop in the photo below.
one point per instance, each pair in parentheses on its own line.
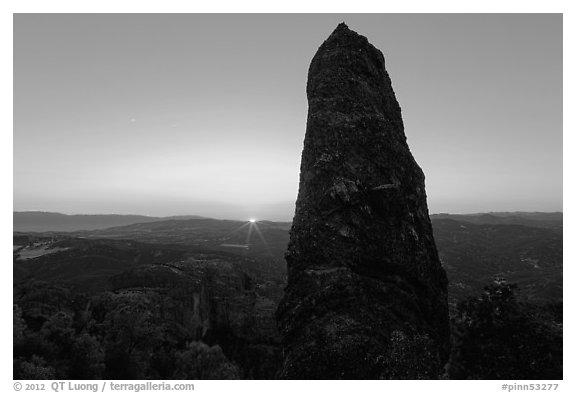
(366,293)
(214,301)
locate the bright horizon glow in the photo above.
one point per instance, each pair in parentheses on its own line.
(146,116)
(252,220)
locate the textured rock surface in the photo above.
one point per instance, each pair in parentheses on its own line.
(366,294)
(214,301)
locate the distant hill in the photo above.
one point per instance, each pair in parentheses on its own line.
(473,255)
(265,241)
(525,248)
(530,219)
(58,222)
(33,221)
(220,281)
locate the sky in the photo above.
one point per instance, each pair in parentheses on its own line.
(172,114)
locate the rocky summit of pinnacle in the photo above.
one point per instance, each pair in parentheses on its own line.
(366,293)
(342,35)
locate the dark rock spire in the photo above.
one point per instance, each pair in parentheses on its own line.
(366,294)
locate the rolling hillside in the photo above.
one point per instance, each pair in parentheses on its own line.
(475,249)
(49,222)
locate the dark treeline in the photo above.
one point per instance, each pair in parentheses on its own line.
(495,336)
(111,336)
(122,309)
(63,333)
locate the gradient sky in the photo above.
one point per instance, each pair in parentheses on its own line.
(166,114)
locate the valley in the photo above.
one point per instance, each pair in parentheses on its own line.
(219,282)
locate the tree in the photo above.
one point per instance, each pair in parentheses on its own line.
(35,368)
(87,358)
(200,361)
(18,324)
(497,337)
(133,333)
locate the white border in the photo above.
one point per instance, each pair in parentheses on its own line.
(335,6)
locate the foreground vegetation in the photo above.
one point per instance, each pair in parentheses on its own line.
(129,336)
(151,301)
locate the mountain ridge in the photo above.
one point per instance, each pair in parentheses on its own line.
(41,221)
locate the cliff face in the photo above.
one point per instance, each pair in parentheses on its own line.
(214,301)
(366,294)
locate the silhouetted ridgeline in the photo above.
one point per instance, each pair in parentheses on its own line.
(472,254)
(46,221)
(530,219)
